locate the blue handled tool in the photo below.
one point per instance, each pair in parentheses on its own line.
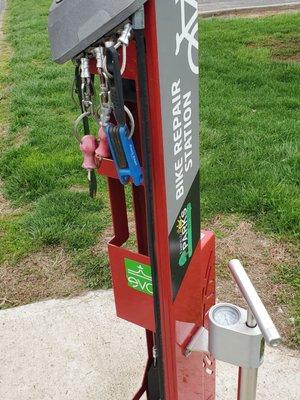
(120,143)
(124,154)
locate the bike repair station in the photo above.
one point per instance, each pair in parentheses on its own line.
(137,79)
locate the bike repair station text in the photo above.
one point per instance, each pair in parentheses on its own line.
(182,136)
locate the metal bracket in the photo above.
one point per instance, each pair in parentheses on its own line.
(234,342)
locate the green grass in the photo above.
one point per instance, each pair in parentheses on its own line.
(250,130)
(250,136)
(251,121)
(40,160)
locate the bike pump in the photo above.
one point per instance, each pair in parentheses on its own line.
(137,77)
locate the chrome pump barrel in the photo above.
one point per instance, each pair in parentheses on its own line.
(257,315)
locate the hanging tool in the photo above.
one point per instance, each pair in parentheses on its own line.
(119,137)
(103,113)
(88,143)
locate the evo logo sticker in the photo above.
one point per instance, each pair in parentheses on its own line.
(185,234)
(139,276)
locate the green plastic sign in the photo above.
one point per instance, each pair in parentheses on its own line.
(139,276)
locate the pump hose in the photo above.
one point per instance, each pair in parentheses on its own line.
(147,157)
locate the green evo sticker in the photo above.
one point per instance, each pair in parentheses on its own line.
(139,276)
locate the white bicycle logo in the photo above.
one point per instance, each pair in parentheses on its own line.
(189,33)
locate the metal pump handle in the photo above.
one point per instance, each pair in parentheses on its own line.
(255,304)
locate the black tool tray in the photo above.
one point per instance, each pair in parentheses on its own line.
(74,25)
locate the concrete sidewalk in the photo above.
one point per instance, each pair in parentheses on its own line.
(78,350)
(2,6)
(217,7)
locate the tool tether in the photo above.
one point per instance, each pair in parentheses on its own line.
(116,86)
(147,157)
(85,120)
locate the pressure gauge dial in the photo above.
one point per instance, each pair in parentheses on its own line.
(226,315)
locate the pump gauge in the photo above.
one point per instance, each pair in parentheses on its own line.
(226,315)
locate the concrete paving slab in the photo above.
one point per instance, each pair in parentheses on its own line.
(79,350)
(69,350)
(211,7)
(2,6)
(2,9)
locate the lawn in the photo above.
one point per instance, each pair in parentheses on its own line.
(250,89)
(250,120)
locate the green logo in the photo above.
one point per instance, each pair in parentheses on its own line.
(185,234)
(139,276)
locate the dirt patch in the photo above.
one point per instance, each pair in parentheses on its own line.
(105,237)
(19,139)
(295,58)
(282,49)
(2,10)
(260,255)
(5,206)
(4,86)
(47,274)
(78,189)
(3,128)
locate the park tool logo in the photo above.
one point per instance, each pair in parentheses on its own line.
(185,234)
(139,276)
(189,33)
